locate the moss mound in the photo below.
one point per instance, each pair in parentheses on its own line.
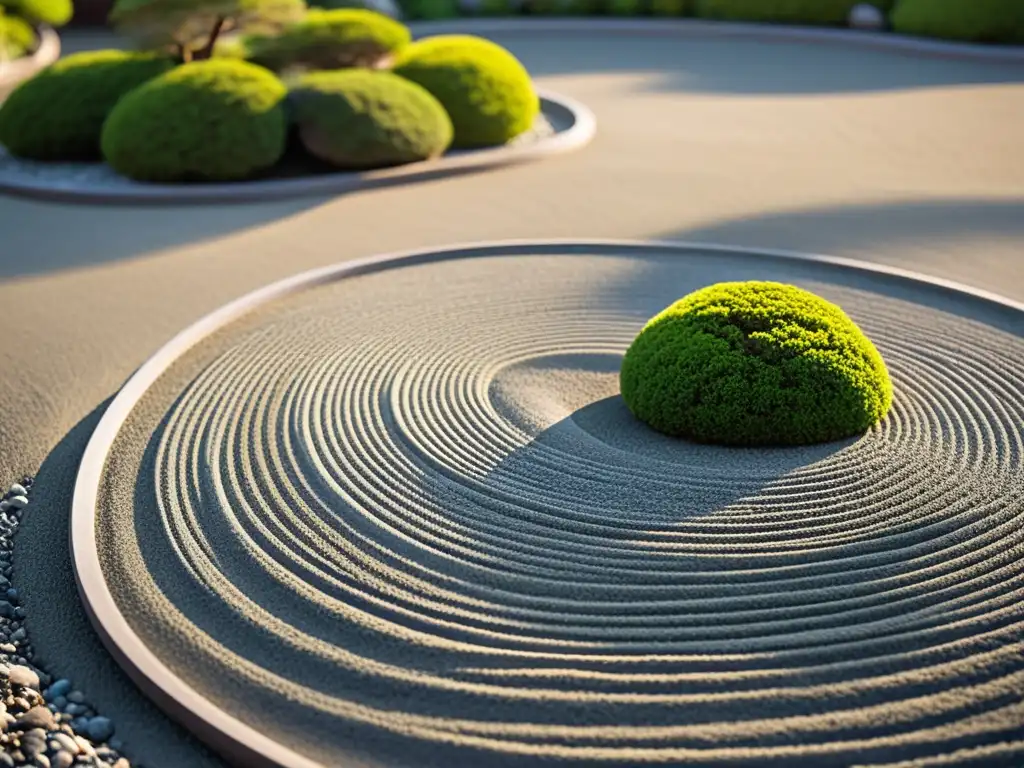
(331,39)
(978,21)
(17,38)
(485,90)
(215,120)
(755,363)
(362,119)
(782,11)
(56,13)
(59,113)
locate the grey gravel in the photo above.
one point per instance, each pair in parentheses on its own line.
(34,731)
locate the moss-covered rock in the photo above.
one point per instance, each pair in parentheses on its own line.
(215,120)
(59,113)
(782,11)
(977,21)
(485,89)
(331,39)
(362,119)
(755,363)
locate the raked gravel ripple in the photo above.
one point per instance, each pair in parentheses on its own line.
(405,517)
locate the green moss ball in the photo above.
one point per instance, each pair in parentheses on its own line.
(485,90)
(58,114)
(361,119)
(834,12)
(978,21)
(55,13)
(755,363)
(17,38)
(331,39)
(214,120)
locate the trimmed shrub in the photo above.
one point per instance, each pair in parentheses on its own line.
(216,120)
(59,113)
(362,119)
(432,9)
(485,90)
(17,38)
(671,7)
(348,37)
(755,363)
(979,21)
(55,13)
(782,11)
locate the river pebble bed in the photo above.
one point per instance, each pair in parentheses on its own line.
(44,723)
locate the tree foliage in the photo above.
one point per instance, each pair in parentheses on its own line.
(191,27)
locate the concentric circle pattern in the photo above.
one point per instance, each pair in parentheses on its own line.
(404,519)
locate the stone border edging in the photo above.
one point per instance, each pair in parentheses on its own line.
(48,51)
(230,737)
(582,127)
(686,27)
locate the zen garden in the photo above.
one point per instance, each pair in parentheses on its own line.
(512,383)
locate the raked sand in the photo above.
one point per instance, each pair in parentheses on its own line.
(406,518)
(891,158)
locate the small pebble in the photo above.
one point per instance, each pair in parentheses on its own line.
(65,742)
(36,717)
(76,697)
(18,502)
(42,761)
(12,595)
(62,759)
(100,728)
(116,744)
(17,490)
(61,687)
(18,634)
(4,506)
(23,677)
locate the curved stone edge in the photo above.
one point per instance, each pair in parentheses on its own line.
(704,28)
(227,735)
(48,51)
(582,127)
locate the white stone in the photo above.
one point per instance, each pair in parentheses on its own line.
(866,16)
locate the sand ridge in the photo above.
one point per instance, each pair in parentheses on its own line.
(412,504)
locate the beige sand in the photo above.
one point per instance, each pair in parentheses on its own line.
(406,517)
(891,158)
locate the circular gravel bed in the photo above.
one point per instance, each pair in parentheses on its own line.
(396,513)
(562,126)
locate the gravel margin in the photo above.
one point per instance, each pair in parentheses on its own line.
(44,722)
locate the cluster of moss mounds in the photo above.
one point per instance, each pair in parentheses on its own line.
(227,118)
(330,39)
(59,114)
(361,119)
(978,21)
(485,89)
(755,363)
(208,120)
